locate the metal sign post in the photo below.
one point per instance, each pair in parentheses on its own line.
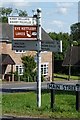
(39,58)
(78,98)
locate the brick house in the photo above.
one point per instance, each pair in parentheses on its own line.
(11,59)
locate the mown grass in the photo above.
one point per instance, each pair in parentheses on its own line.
(0,104)
(24,104)
(65,77)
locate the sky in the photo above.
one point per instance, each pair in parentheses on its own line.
(57,15)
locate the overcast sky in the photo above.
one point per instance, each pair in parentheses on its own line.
(57,16)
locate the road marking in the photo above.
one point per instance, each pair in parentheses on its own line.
(22,87)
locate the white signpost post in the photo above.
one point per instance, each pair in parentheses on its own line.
(39,58)
(27,36)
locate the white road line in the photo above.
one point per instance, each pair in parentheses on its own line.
(22,88)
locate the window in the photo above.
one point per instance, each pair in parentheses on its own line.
(44,69)
(19,69)
(44,51)
(20,51)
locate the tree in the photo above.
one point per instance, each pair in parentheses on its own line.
(22,13)
(5,12)
(65,41)
(74,38)
(75,32)
(29,68)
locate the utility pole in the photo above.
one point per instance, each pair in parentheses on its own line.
(39,58)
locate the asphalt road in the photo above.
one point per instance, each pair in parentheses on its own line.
(20,86)
(27,86)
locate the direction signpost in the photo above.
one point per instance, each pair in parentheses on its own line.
(27,36)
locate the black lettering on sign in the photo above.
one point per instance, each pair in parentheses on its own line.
(57,87)
(64,87)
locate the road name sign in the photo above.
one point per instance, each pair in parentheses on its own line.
(54,46)
(25,32)
(65,87)
(16,20)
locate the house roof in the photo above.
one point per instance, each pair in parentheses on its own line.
(6,33)
(45,36)
(72,57)
(6,59)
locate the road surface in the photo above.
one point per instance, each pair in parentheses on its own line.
(27,86)
(27,118)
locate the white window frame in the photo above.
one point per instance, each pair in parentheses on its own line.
(20,69)
(44,69)
(20,51)
(44,51)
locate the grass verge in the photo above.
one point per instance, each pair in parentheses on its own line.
(24,104)
(65,77)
